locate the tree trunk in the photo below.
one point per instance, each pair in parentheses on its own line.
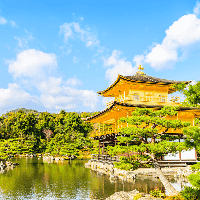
(171,190)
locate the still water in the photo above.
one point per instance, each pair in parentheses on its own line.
(35,179)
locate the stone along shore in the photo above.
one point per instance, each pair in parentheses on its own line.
(115,174)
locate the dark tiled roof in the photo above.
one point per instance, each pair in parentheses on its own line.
(138,106)
(143,78)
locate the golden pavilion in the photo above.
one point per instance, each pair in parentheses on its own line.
(141,91)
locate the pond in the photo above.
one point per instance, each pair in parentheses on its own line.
(35,179)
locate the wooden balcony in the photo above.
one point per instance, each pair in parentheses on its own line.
(149,100)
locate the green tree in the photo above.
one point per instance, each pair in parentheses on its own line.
(70,143)
(191,93)
(73,122)
(146,133)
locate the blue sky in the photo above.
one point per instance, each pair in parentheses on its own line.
(57,55)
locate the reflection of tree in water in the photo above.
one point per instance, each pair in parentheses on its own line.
(43,179)
(35,179)
(104,188)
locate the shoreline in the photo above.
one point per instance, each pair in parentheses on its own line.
(116,173)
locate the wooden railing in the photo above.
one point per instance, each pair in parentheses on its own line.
(148,99)
(104,158)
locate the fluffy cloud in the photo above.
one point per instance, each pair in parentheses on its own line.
(118,66)
(69,98)
(73,82)
(56,94)
(51,86)
(32,62)
(72,30)
(31,70)
(182,33)
(13,96)
(3,20)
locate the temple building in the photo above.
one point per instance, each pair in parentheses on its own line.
(140,91)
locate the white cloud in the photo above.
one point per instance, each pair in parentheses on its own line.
(69,98)
(31,63)
(13,96)
(3,20)
(31,71)
(138,59)
(196,8)
(73,82)
(181,34)
(67,30)
(13,24)
(118,66)
(72,30)
(75,59)
(51,86)
(21,42)
(90,98)
(53,102)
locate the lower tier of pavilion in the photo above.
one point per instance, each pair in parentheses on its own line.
(106,123)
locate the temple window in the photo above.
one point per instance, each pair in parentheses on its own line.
(162,98)
(136,96)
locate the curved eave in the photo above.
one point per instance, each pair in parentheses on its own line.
(103,92)
(138,106)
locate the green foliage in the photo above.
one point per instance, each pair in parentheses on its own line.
(137,196)
(193,137)
(87,114)
(70,143)
(132,162)
(191,92)
(179,86)
(195,179)
(16,146)
(157,193)
(176,197)
(190,193)
(146,133)
(41,128)
(196,166)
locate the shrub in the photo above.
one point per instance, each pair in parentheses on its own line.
(190,193)
(176,197)
(157,193)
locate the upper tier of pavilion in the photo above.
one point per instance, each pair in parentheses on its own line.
(142,89)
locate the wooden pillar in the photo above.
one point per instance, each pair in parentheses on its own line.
(180,155)
(179,151)
(103,148)
(99,128)
(196,154)
(99,148)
